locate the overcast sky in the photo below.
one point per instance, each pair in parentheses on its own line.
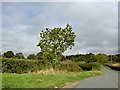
(94,23)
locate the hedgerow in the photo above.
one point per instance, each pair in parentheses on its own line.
(25,66)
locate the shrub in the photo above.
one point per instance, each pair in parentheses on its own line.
(114,67)
(70,67)
(85,66)
(31,56)
(95,65)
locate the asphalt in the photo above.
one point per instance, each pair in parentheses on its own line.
(108,80)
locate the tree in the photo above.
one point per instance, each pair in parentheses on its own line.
(39,55)
(8,54)
(82,58)
(19,56)
(0,55)
(56,41)
(31,56)
(91,58)
(63,58)
(118,55)
(102,58)
(114,58)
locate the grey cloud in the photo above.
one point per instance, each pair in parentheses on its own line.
(95,25)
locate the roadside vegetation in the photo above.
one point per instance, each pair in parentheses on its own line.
(113,66)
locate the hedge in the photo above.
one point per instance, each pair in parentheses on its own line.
(25,66)
(85,66)
(113,67)
(95,65)
(22,66)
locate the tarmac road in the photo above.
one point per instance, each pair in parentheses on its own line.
(108,80)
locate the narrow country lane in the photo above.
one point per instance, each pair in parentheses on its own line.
(108,80)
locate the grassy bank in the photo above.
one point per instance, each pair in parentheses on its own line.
(44,80)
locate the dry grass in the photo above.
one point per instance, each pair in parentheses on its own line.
(48,71)
(116,65)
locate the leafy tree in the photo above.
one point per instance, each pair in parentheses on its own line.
(39,55)
(114,58)
(8,54)
(55,41)
(118,55)
(31,56)
(0,55)
(19,56)
(82,58)
(102,58)
(63,58)
(90,58)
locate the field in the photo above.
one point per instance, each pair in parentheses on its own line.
(44,80)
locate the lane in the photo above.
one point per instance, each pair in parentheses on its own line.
(108,80)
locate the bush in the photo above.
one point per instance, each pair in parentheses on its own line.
(85,66)
(95,65)
(70,67)
(112,66)
(31,56)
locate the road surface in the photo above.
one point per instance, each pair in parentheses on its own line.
(108,80)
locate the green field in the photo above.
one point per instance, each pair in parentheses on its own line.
(44,80)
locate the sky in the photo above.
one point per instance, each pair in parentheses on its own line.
(94,23)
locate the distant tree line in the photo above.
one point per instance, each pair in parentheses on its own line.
(10,54)
(102,58)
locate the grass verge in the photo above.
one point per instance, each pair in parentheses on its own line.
(57,80)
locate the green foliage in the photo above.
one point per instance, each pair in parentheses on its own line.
(95,65)
(0,55)
(19,56)
(39,55)
(55,41)
(118,58)
(31,56)
(114,58)
(90,58)
(102,58)
(72,67)
(8,54)
(63,58)
(114,67)
(23,66)
(85,66)
(76,58)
